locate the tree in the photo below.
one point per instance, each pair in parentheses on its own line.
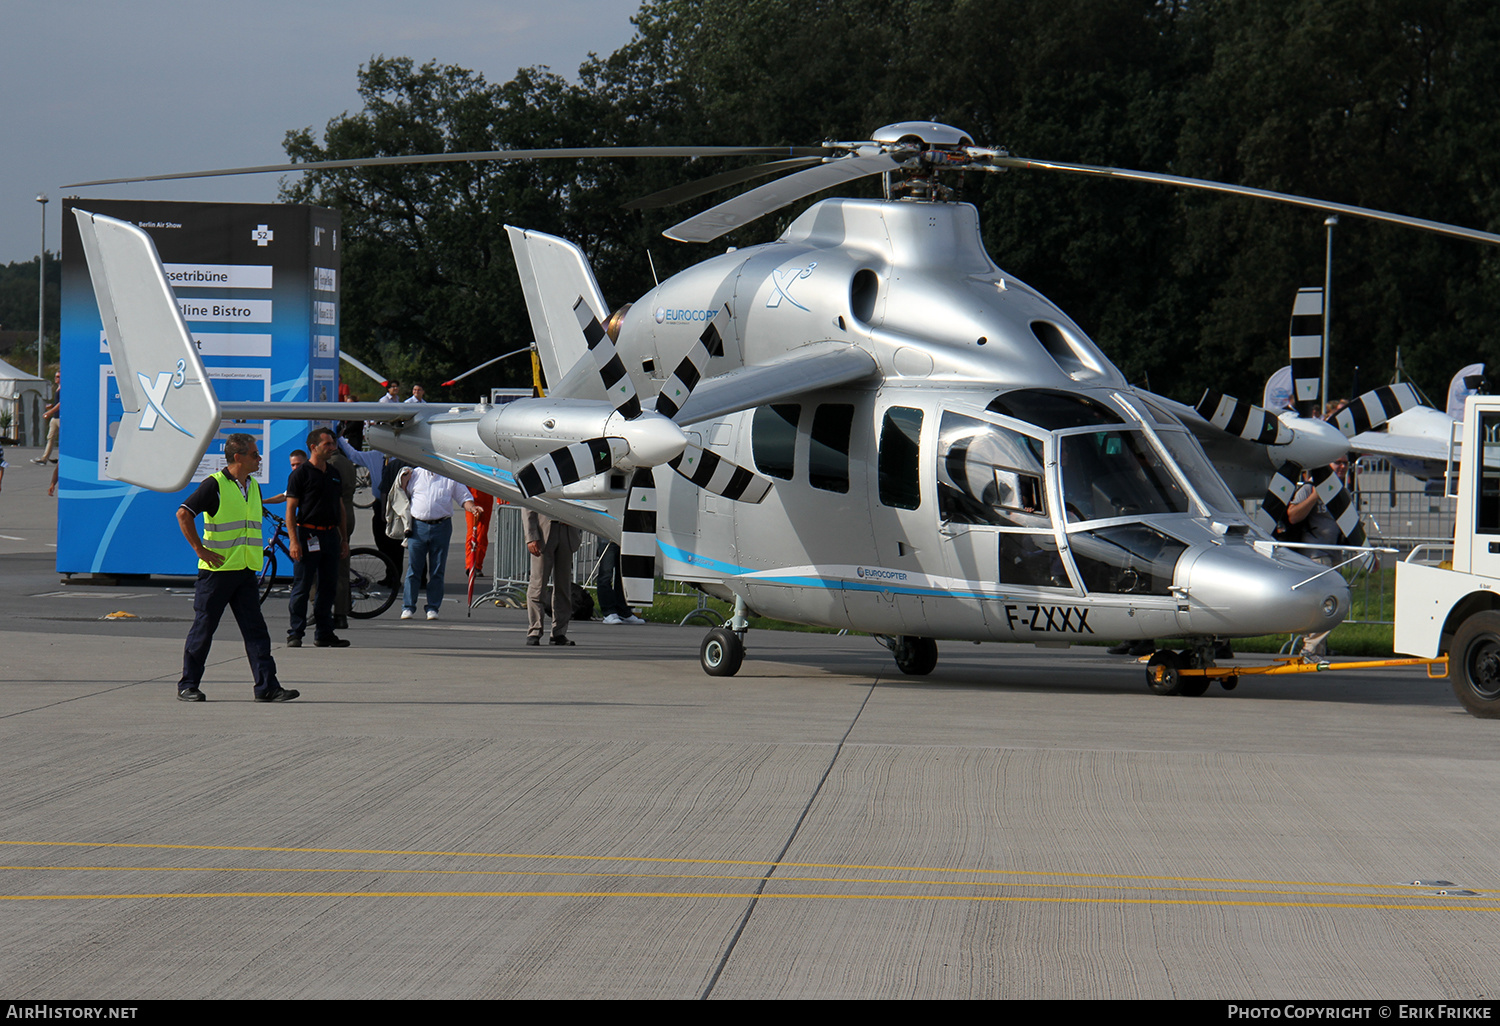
(1381,103)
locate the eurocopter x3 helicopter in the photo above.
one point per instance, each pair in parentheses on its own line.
(871,425)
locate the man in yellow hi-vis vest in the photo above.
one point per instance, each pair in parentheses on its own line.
(229,561)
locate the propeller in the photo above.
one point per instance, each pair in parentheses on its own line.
(1305,346)
(1237,417)
(579,460)
(1331,491)
(1375,408)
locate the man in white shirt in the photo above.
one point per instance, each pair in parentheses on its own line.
(418,394)
(432,500)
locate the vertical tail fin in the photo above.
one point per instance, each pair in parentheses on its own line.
(555,276)
(171,411)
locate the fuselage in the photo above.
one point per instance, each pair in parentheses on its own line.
(998,480)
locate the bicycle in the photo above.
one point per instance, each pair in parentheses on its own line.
(372,577)
(364,490)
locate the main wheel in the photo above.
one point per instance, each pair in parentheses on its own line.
(1163,673)
(1474,664)
(267,575)
(915,657)
(364,493)
(722,652)
(368,595)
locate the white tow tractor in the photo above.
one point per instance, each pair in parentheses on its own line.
(1454,608)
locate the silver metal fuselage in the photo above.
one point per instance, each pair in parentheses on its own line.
(884,537)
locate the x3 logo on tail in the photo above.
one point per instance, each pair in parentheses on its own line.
(156,394)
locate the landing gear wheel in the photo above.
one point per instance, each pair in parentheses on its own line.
(1193,685)
(1163,673)
(721,653)
(915,657)
(1474,663)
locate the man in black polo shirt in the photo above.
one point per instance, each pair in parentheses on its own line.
(320,538)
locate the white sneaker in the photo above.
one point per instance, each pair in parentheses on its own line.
(432,614)
(406,614)
(613,618)
(632,618)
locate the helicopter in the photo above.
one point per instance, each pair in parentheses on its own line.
(863,424)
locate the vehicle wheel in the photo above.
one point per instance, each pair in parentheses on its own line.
(915,657)
(368,596)
(364,494)
(1474,663)
(267,576)
(1192,685)
(1230,682)
(722,652)
(1163,673)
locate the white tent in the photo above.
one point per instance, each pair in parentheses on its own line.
(24,396)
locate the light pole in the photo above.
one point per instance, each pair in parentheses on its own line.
(1327,308)
(41,286)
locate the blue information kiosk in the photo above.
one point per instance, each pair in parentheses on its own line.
(258,287)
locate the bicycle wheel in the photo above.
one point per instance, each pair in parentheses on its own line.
(364,492)
(267,575)
(368,595)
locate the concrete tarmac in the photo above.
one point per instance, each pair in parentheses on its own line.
(445,813)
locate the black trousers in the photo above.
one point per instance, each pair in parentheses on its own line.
(324,565)
(237,590)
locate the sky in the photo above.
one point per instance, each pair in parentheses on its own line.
(102,88)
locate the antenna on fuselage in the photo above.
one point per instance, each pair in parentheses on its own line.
(654,278)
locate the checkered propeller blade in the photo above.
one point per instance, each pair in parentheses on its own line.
(674,393)
(568,465)
(1246,420)
(638,540)
(1280,491)
(1374,408)
(1306,347)
(617,383)
(718,475)
(1336,499)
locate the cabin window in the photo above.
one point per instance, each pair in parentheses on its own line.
(900,435)
(1487,516)
(828,449)
(773,435)
(1032,560)
(988,474)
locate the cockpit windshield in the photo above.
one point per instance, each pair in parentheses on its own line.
(1116,474)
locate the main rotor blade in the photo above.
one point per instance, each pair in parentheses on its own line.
(1244,190)
(577,152)
(748,206)
(713,183)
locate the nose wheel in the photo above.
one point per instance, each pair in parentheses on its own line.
(1164,674)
